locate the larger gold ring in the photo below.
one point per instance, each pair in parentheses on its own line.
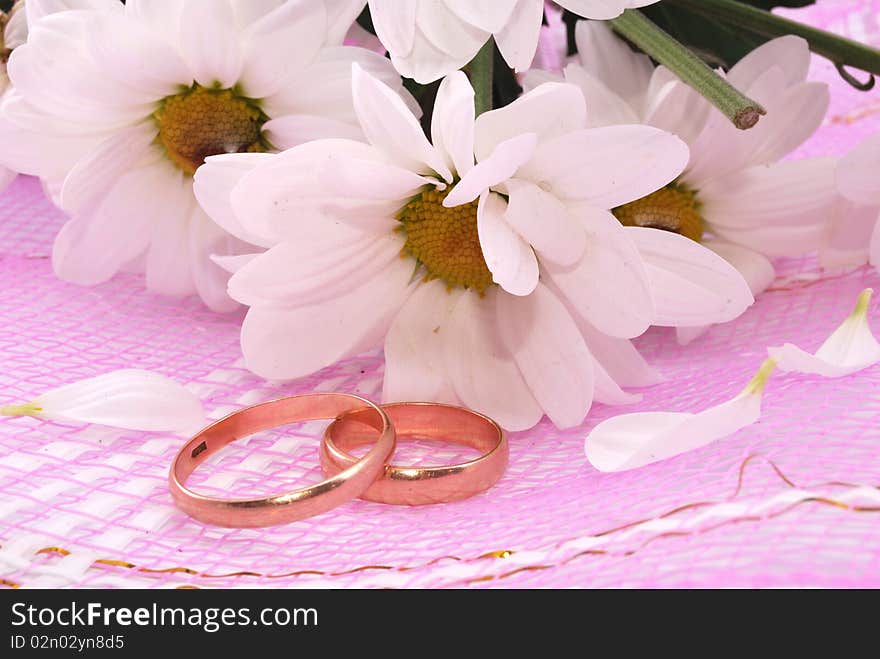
(290,506)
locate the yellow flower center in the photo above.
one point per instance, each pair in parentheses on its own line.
(673,208)
(202,122)
(445,241)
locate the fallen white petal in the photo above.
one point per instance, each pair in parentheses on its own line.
(850,348)
(132,399)
(635,440)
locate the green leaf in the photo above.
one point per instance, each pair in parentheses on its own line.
(713,41)
(770,4)
(717,44)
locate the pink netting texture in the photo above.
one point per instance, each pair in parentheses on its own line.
(792,500)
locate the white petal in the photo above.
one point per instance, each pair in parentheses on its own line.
(518,41)
(447,32)
(544,222)
(612,62)
(15,32)
(790,53)
(607,391)
(548,111)
(328,81)
(429,61)
(168,265)
(7,176)
(31,147)
(550,352)
(755,268)
(131,399)
(608,166)
(483,372)
(452,125)
(687,335)
(503,163)
(37,9)
(874,251)
(341,15)
(213,183)
(74,85)
(794,119)
(282,41)
(390,126)
(249,12)
(94,245)
(134,56)
(509,258)
(604,107)
(599,10)
(857,172)
(86,183)
(536,77)
(719,135)
(847,243)
(488,15)
(619,357)
(210,279)
(691,285)
(675,107)
(282,343)
(415,367)
(609,286)
(235,262)
(629,441)
(395,23)
(782,209)
(294,129)
(323,181)
(793,115)
(161,16)
(315,269)
(850,348)
(210,43)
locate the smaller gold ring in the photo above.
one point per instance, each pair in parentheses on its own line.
(416,486)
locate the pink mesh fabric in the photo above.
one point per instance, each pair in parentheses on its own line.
(792,500)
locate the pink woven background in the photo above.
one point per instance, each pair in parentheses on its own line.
(793,500)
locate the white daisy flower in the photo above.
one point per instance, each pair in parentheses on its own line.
(736,196)
(428,39)
(124,103)
(854,238)
(364,247)
(550,201)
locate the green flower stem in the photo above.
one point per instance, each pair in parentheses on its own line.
(756,385)
(26,409)
(480,70)
(841,51)
(644,33)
